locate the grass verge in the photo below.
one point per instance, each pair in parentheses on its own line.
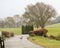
(45,42)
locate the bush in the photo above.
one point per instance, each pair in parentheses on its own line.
(58,37)
(31,33)
(40,32)
(11,34)
(52,37)
(7,34)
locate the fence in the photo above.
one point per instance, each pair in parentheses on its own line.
(2,45)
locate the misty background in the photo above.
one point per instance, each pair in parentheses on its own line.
(11,11)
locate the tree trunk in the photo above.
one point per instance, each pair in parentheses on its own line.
(37,26)
(42,26)
(44,31)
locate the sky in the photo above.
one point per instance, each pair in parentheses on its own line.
(13,7)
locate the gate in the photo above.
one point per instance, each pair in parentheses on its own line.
(26,29)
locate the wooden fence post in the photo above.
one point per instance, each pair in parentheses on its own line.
(2,45)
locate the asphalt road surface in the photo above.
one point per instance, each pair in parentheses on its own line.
(20,41)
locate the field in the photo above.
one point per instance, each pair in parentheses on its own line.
(45,42)
(48,43)
(16,31)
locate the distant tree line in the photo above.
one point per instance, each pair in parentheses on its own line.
(11,22)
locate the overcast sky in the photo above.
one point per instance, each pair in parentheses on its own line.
(13,7)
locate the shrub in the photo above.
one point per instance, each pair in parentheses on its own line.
(40,32)
(31,33)
(11,34)
(52,37)
(7,34)
(58,37)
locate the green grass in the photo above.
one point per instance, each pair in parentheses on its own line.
(14,30)
(54,25)
(53,31)
(45,42)
(48,43)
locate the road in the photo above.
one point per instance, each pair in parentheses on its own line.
(20,41)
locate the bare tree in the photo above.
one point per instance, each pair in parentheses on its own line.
(39,14)
(18,20)
(10,22)
(2,23)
